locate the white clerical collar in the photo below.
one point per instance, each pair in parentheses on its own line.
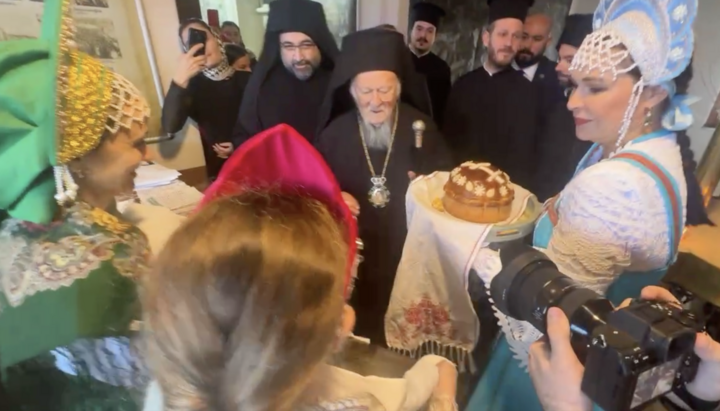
(528,72)
(412,49)
(490,72)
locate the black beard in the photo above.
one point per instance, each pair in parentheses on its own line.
(529,59)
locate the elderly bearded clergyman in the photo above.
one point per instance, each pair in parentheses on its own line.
(368,141)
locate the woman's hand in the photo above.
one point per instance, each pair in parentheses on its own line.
(189,66)
(223,150)
(447,382)
(352,203)
(554,368)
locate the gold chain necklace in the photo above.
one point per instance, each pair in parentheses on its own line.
(379,195)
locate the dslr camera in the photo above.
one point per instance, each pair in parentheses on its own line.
(632,355)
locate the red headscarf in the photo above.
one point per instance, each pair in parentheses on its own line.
(281,159)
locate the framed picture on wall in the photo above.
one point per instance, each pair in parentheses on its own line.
(109,30)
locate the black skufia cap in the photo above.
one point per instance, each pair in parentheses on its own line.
(577,27)
(509,9)
(427,12)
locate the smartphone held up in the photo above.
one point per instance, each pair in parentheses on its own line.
(196,37)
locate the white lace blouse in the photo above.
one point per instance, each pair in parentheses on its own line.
(612,219)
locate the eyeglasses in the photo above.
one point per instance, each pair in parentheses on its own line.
(304,46)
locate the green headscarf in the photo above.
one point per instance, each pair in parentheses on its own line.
(54,105)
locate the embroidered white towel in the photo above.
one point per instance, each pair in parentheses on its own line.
(430,309)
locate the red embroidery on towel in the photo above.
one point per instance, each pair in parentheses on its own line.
(426,320)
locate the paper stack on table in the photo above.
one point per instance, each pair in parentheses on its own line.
(155,175)
(177,196)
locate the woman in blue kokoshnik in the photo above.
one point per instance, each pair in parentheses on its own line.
(615,227)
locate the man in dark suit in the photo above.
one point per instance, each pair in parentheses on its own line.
(532,61)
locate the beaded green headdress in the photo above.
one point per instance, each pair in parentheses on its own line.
(56,103)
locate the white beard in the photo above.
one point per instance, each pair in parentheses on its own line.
(377,137)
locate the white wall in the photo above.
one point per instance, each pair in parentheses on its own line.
(185,151)
(583,6)
(372,13)
(706,65)
(251,24)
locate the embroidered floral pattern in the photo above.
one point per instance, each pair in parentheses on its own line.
(36,258)
(426,320)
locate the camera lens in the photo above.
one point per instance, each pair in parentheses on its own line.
(529,284)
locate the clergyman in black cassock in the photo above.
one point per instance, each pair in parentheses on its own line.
(559,150)
(493,112)
(425,24)
(374,98)
(275,94)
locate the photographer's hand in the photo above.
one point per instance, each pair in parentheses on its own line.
(554,368)
(706,385)
(189,66)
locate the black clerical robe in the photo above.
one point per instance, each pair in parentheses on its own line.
(495,119)
(382,230)
(438,76)
(213,105)
(283,99)
(559,152)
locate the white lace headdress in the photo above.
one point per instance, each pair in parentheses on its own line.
(657,35)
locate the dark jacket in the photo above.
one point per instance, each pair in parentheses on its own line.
(546,78)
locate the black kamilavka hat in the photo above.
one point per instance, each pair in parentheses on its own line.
(428,12)
(509,9)
(577,27)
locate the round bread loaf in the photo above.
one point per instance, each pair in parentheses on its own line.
(479,193)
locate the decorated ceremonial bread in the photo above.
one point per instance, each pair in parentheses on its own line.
(479,193)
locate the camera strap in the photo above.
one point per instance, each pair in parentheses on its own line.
(668,190)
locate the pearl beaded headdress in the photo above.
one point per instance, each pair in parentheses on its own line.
(657,35)
(91,101)
(125,106)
